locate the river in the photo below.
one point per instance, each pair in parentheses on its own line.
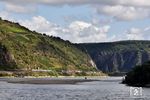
(105,89)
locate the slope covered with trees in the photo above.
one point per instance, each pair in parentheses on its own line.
(22,49)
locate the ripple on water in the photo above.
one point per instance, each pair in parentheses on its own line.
(101,90)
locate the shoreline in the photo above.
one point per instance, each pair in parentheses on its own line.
(58,80)
(50,80)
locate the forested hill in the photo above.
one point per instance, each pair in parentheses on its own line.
(23,49)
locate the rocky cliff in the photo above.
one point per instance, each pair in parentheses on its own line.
(118,56)
(6,61)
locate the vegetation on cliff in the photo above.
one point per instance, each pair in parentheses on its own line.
(22,49)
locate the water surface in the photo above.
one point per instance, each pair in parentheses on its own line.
(106,89)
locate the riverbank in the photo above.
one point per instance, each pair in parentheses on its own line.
(46,73)
(60,80)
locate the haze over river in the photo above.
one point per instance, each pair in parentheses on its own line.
(105,89)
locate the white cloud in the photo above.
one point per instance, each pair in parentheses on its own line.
(143,3)
(80,31)
(83,32)
(101,21)
(20,8)
(77,31)
(136,34)
(87,32)
(144,33)
(125,10)
(4,15)
(40,24)
(125,13)
(135,31)
(147,29)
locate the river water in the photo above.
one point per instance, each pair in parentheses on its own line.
(106,89)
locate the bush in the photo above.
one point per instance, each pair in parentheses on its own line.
(139,76)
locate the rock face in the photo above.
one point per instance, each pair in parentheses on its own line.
(118,56)
(6,61)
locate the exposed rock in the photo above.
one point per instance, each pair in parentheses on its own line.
(6,61)
(118,56)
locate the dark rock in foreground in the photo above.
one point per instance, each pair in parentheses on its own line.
(139,76)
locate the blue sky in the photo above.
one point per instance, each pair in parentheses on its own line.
(82,21)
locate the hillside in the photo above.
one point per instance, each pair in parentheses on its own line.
(118,56)
(25,50)
(22,49)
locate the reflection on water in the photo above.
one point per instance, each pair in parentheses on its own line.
(107,89)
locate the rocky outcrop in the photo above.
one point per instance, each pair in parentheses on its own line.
(6,61)
(118,56)
(120,61)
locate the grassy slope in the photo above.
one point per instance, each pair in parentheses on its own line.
(31,50)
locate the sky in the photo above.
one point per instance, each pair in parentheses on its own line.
(82,21)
